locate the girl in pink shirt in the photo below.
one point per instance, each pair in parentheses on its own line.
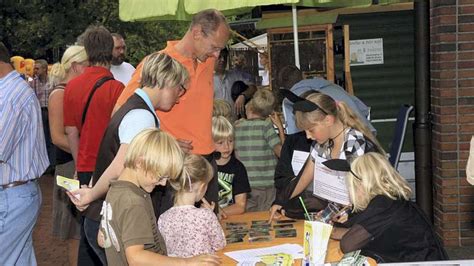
(187,230)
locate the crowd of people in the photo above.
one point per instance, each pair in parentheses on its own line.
(164,151)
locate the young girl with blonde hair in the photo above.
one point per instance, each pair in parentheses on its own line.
(388,226)
(66,219)
(187,230)
(337,133)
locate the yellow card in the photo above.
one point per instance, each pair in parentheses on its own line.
(67,183)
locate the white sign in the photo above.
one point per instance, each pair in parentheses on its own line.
(298,160)
(329,184)
(366,52)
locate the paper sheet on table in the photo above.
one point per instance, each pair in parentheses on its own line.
(329,184)
(253,255)
(298,160)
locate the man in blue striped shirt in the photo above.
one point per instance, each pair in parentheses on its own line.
(23,158)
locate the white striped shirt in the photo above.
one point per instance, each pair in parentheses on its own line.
(23,153)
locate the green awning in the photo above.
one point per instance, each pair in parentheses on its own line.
(390,2)
(282,22)
(335,3)
(142,10)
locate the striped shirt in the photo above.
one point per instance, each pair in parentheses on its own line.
(255,140)
(23,153)
(42,90)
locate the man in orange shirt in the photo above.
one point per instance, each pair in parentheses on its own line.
(190,120)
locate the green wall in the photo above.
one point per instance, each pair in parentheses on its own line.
(384,87)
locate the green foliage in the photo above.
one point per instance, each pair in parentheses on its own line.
(43,29)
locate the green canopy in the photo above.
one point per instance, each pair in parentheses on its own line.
(142,10)
(281,22)
(139,10)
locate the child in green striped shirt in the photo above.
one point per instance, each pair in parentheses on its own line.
(258,146)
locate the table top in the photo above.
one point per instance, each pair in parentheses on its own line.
(334,252)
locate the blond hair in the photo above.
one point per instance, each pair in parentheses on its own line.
(155,151)
(262,103)
(221,128)
(73,54)
(223,108)
(340,110)
(196,170)
(377,177)
(162,71)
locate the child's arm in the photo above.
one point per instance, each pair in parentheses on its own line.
(281,133)
(306,178)
(277,150)
(239,206)
(88,195)
(112,172)
(279,124)
(137,255)
(271,137)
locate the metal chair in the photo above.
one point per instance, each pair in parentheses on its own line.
(399,134)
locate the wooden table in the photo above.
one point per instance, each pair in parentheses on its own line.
(334,252)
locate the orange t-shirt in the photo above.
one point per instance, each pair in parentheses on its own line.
(191,118)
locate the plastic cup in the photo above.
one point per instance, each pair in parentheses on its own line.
(313,216)
(328,213)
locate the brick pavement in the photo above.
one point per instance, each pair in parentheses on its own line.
(49,250)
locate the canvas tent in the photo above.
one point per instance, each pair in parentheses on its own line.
(260,40)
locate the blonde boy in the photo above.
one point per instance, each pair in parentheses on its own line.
(223,108)
(232,175)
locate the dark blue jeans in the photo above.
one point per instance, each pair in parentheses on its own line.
(47,136)
(87,255)
(91,229)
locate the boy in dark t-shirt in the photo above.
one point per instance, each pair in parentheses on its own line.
(232,175)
